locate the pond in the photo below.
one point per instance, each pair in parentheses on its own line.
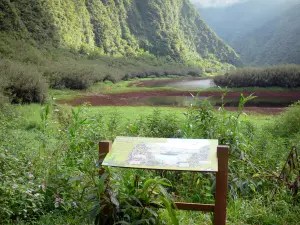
(183,101)
(184,94)
(182,84)
(180,99)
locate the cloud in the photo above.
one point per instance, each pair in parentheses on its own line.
(215,3)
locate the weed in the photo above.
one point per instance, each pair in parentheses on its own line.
(60,181)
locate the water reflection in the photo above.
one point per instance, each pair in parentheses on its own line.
(185,84)
(182,101)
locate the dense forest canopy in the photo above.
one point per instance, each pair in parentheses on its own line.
(125,27)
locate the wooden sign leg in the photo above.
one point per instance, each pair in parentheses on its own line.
(104,149)
(104,216)
(221,185)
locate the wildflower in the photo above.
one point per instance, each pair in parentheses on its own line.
(42,186)
(31,183)
(28,192)
(36,195)
(15,186)
(29,164)
(59,200)
(75,204)
(30,176)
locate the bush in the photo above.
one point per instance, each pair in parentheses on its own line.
(72,76)
(22,83)
(3,98)
(287,124)
(21,193)
(287,76)
(49,175)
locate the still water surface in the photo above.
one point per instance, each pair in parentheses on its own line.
(181,101)
(185,84)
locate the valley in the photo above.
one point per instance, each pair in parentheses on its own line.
(77,72)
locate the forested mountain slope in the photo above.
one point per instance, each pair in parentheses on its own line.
(276,42)
(163,27)
(240,24)
(233,22)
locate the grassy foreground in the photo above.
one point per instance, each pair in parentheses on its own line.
(48,160)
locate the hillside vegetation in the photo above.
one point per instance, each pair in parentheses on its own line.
(286,76)
(123,27)
(265,33)
(74,44)
(276,42)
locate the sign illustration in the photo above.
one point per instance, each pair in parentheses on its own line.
(164,154)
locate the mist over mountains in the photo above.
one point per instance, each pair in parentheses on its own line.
(262,32)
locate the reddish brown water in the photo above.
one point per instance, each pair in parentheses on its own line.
(266,102)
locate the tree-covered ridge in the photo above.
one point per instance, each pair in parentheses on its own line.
(163,27)
(262,32)
(276,42)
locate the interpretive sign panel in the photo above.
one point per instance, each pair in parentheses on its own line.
(164,154)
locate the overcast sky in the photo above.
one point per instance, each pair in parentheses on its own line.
(215,3)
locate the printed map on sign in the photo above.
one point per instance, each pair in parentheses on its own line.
(166,154)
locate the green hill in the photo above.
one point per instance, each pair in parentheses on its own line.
(170,28)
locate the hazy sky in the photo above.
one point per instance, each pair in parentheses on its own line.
(215,3)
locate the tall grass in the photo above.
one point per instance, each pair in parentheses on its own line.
(48,168)
(287,76)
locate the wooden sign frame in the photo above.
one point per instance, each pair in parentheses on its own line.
(219,208)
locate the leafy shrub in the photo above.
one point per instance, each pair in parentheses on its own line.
(22,83)
(21,193)
(64,158)
(287,124)
(73,76)
(132,197)
(3,98)
(287,76)
(156,124)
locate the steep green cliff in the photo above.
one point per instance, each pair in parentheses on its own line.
(117,27)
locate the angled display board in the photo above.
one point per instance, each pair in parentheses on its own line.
(164,154)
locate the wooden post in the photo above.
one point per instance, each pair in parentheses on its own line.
(104,149)
(104,216)
(221,185)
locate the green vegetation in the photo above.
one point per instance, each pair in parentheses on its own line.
(22,83)
(66,69)
(126,27)
(74,44)
(273,43)
(287,124)
(49,173)
(286,76)
(266,33)
(49,167)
